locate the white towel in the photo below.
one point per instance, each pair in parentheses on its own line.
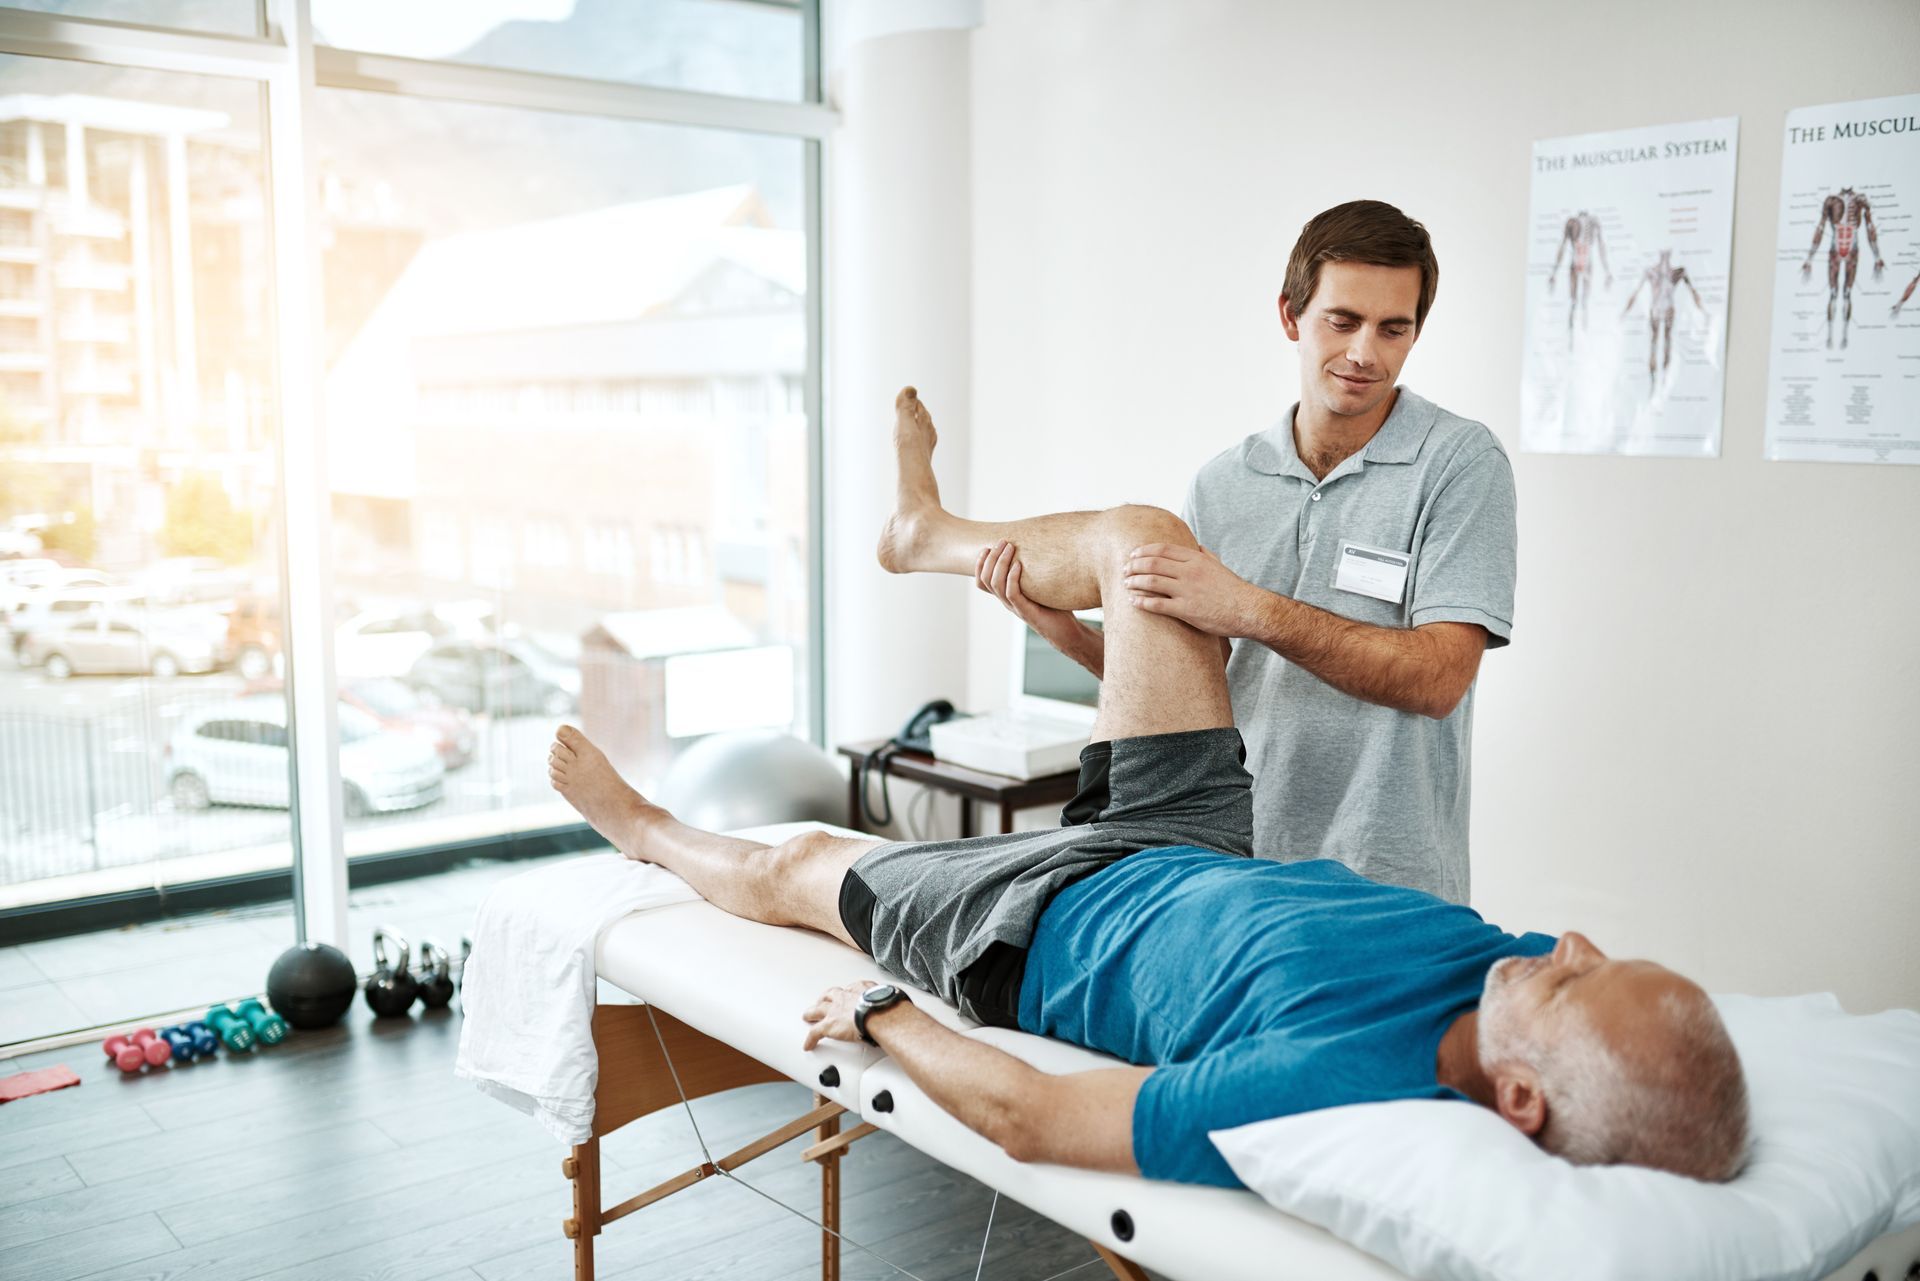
(528,990)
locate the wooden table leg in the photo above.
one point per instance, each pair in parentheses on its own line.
(583,1168)
(966,817)
(829,1198)
(1006,818)
(856,816)
(1123,1269)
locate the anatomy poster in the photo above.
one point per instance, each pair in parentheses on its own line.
(1843,382)
(1629,244)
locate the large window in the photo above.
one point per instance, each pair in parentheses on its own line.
(566,377)
(565,441)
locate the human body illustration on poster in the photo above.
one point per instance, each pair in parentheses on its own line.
(1843,380)
(1630,239)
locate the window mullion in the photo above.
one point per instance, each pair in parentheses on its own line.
(502,87)
(320,867)
(47,35)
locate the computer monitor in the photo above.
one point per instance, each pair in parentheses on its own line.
(1047,683)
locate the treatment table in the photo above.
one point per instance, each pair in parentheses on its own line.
(686,1042)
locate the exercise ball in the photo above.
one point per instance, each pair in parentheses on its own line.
(747,778)
(311,985)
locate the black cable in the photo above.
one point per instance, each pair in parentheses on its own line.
(878,759)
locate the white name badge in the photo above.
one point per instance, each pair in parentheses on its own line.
(1372,571)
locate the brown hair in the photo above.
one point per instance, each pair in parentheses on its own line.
(1368,231)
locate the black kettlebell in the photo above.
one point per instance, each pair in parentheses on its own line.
(436,976)
(391,990)
(466,953)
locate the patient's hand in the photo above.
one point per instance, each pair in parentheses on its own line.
(832,1014)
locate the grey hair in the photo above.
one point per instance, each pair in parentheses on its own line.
(1682,1108)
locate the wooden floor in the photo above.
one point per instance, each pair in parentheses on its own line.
(353,1153)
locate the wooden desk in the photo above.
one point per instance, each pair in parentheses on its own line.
(970,785)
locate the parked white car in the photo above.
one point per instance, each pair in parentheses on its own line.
(29,588)
(235,753)
(52,607)
(108,642)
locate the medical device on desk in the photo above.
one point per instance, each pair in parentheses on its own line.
(1049,718)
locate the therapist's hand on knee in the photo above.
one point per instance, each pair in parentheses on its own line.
(1190,584)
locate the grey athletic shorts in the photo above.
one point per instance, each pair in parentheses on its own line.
(956,917)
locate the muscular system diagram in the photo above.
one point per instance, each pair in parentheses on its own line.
(1847,210)
(1582,232)
(1661,281)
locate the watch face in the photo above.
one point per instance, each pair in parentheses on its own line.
(877,995)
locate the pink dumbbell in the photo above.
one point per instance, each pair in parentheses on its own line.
(133,1051)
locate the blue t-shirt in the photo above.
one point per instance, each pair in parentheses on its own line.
(1259,988)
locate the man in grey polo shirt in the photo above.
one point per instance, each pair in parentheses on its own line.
(1360,561)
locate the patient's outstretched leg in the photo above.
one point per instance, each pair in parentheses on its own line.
(1162,676)
(796,882)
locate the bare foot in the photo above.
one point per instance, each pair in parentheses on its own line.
(917,495)
(582,773)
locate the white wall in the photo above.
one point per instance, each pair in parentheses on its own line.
(1704,743)
(899,255)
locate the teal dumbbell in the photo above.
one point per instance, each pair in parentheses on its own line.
(268,1028)
(233,1031)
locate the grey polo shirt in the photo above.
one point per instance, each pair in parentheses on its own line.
(1383,791)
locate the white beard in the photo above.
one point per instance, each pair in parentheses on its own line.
(1500,1034)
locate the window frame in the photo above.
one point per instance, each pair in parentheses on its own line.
(290,68)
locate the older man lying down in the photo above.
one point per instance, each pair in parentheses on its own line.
(1244,988)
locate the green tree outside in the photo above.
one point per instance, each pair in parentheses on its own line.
(202,521)
(74,535)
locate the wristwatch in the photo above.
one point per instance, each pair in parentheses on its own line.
(872,1001)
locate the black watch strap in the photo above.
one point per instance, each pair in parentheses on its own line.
(872,1001)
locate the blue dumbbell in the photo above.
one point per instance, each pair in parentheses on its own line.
(204,1040)
(182,1043)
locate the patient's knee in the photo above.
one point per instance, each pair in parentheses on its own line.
(789,861)
(1136,525)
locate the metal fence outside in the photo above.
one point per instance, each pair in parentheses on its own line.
(60,778)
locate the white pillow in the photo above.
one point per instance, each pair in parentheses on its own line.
(1450,1192)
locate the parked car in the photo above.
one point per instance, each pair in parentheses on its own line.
(20,570)
(401,707)
(253,635)
(235,753)
(28,599)
(384,642)
(49,608)
(106,642)
(191,580)
(505,678)
(368,643)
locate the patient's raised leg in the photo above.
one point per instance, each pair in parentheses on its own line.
(1162,676)
(796,882)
